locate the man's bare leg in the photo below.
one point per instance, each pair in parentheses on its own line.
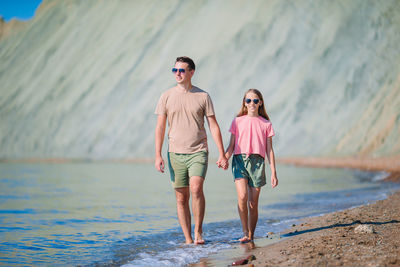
(198,207)
(182,208)
(254,193)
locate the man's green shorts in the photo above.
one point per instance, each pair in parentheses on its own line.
(251,168)
(184,166)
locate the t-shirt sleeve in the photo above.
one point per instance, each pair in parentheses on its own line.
(209,107)
(232,129)
(161,106)
(270,130)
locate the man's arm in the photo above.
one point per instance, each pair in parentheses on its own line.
(216,134)
(160,132)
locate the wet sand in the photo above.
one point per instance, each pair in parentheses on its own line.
(363,236)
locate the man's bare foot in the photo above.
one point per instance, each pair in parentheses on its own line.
(244,239)
(198,240)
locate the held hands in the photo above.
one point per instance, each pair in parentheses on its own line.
(223,162)
(159,164)
(274,180)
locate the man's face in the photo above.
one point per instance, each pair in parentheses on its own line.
(183,77)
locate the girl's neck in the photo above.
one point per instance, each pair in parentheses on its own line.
(252,114)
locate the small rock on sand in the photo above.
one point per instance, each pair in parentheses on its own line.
(364,229)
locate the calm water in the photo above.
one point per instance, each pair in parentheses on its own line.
(124,214)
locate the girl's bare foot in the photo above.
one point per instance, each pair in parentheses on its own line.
(244,239)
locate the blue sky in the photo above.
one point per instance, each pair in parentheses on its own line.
(20,9)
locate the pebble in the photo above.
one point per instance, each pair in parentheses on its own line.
(364,229)
(251,258)
(244,261)
(269,235)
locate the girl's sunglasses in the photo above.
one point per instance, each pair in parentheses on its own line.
(175,70)
(255,101)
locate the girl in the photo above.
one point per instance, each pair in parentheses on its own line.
(251,138)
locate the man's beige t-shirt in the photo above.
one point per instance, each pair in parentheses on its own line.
(185,114)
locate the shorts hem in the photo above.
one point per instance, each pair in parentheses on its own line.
(179,186)
(258,186)
(202,176)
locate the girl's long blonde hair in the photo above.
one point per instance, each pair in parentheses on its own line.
(261,109)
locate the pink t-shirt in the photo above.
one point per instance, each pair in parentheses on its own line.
(251,134)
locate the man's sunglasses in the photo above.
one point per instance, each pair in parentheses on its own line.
(175,70)
(255,101)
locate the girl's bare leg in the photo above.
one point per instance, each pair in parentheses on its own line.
(242,195)
(254,193)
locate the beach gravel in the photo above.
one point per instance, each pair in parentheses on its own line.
(332,239)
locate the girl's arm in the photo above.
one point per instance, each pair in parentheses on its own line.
(271,160)
(230,148)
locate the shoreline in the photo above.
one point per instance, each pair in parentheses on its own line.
(332,239)
(76,160)
(390,164)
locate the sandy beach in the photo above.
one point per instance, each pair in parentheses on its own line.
(332,239)
(362,236)
(337,240)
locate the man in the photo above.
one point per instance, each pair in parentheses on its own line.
(185,107)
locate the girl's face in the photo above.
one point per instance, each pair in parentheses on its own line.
(252,103)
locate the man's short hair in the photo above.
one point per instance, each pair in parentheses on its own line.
(187,60)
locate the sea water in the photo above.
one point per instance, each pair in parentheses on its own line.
(96,213)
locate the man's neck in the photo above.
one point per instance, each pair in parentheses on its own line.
(184,87)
